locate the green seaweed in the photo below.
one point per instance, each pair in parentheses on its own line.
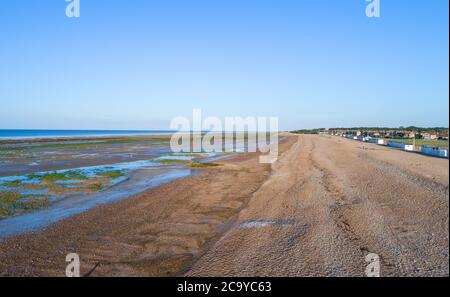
(12,203)
(193,154)
(33,176)
(13,184)
(95,186)
(9,197)
(203,165)
(79,145)
(54,177)
(111,174)
(75,175)
(173,161)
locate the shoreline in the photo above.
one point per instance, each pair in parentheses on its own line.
(43,134)
(177,220)
(317,211)
(67,207)
(52,139)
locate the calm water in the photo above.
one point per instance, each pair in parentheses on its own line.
(18,134)
(62,209)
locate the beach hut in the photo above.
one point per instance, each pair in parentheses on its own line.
(376,141)
(401,145)
(434,151)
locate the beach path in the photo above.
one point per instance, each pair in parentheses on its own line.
(328,203)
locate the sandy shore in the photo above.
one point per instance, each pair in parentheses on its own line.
(159,232)
(325,204)
(328,203)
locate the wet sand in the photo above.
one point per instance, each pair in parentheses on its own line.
(159,232)
(25,156)
(325,204)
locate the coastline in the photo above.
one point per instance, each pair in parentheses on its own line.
(43,134)
(156,233)
(317,211)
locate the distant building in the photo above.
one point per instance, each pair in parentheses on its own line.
(429,136)
(411,135)
(399,134)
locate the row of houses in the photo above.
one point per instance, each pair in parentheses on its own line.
(426,150)
(395,134)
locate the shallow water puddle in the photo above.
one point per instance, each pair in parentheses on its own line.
(64,208)
(31,201)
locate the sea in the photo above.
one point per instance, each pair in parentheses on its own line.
(25,134)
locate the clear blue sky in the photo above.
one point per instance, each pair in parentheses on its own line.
(135,64)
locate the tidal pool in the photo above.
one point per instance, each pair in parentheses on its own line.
(78,203)
(46,181)
(31,202)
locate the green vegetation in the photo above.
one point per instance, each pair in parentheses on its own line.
(74,175)
(33,176)
(7,197)
(76,145)
(111,174)
(203,165)
(12,203)
(58,176)
(427,142)
(173,161)
(438,130)
(13,184)
(189,162)
(193,154)
(97,186)
(7,154)
(8,202)
(53,177)
(306,131)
